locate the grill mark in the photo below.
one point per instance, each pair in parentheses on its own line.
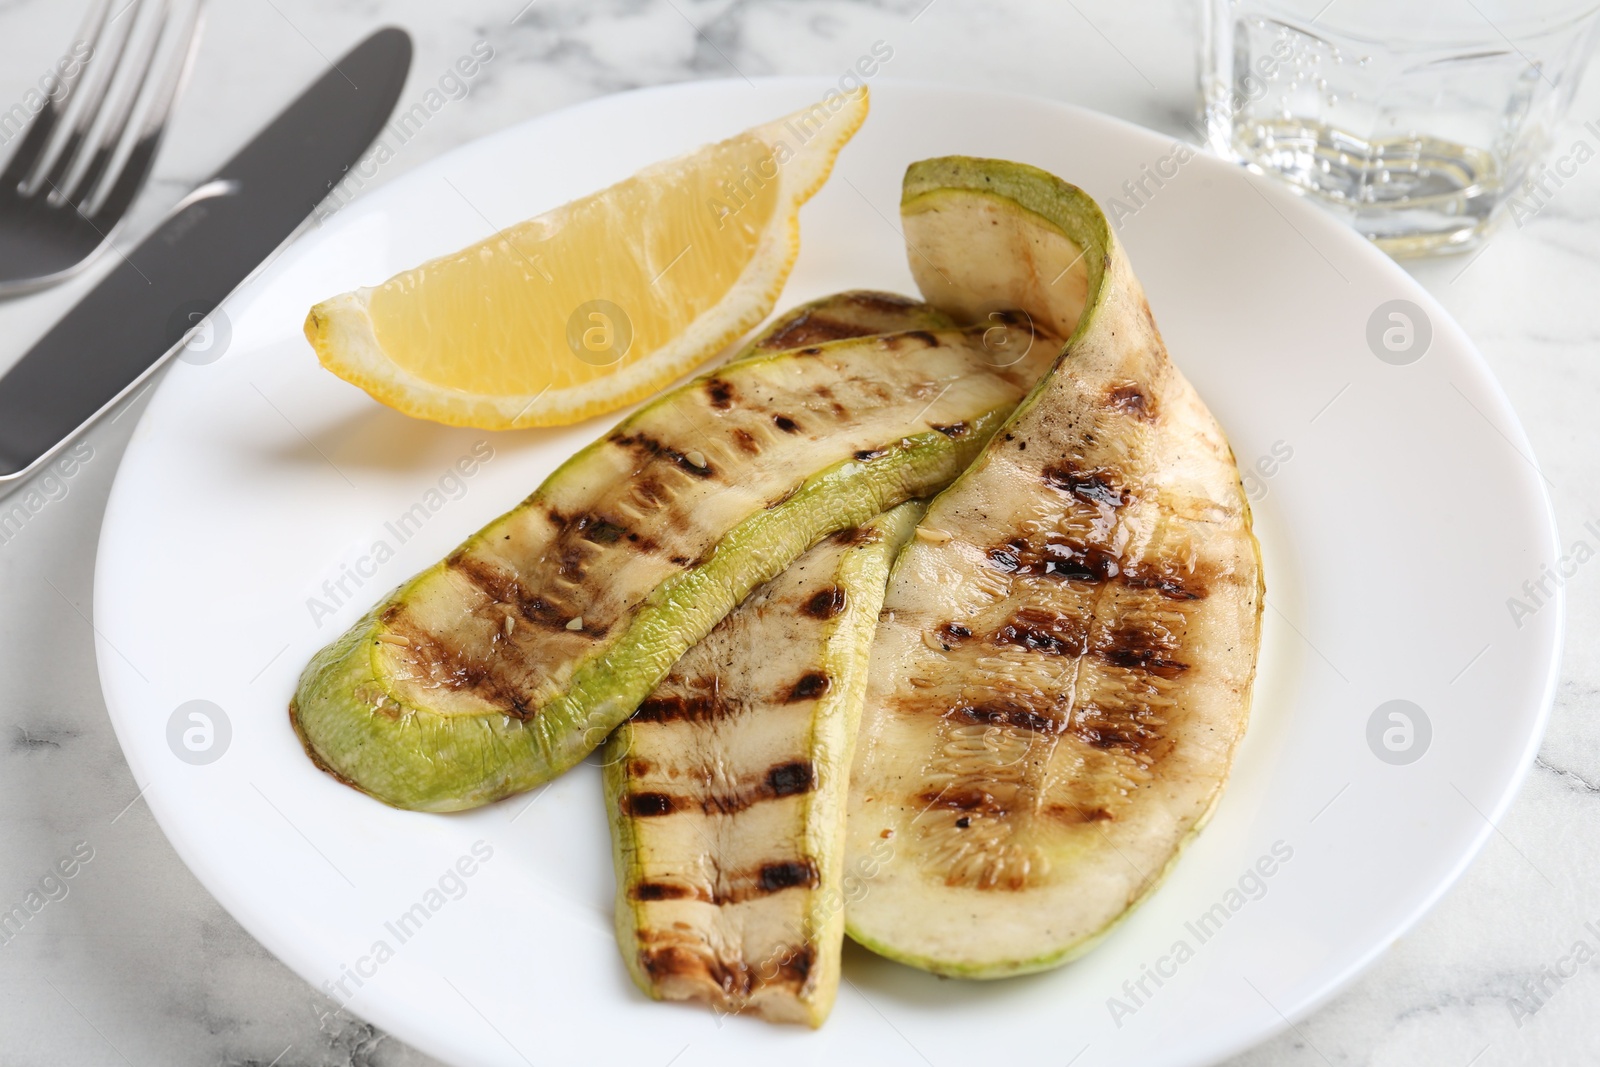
(1056,559)
(1011,317)
(686,963)
(538,609)
(954,430)
(641,443)
(1130,647)
(1043,631)
(1129,718)
(776,877)
(647,447)
(867,455)
(674,961)
(503,588)
(854,535)
(1005,713)
(1144,659)
(1129,730)
(734,981)
(721,393)
(494,582)
(771,877)
(795,964)
(1091,563)
(810,686)
(1005,561)
(1169,586)
(647,891)
(788,779)
(921,335)
(825,604)
(1130,399)
(1146,647)
(1096,487)
(1072,815)
(953,632)
(1030,637)
(700,708)
(786,424)
(448,664)
(600,531)
(648,805)
(782,780)
(746,442)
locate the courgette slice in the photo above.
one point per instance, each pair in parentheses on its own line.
(726,790)
(1064,663)
(513,658)
(853,313)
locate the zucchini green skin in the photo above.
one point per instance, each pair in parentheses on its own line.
(1063,668)
(726,790)
(630,553)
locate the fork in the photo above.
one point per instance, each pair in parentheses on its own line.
(90,146)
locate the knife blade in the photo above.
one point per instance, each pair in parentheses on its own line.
(205,248)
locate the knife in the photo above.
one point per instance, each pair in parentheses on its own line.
(150,304)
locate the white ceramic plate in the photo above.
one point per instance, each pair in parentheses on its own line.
(1397,506)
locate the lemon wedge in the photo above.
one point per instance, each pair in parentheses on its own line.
(599,302)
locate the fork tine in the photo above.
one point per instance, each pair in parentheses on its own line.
(59,156)
(109,128)
(44,124)
(123,181)
(32,146)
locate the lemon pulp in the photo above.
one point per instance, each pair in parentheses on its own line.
(576,294)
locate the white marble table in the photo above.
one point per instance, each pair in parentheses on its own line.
(138,964)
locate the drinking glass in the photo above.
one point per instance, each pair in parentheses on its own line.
(1421,121)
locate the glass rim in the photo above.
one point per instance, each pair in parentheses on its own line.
(1495,35)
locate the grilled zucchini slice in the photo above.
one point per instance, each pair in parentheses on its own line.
(726,790)
(853,313)
(1064,663)
(514,657)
